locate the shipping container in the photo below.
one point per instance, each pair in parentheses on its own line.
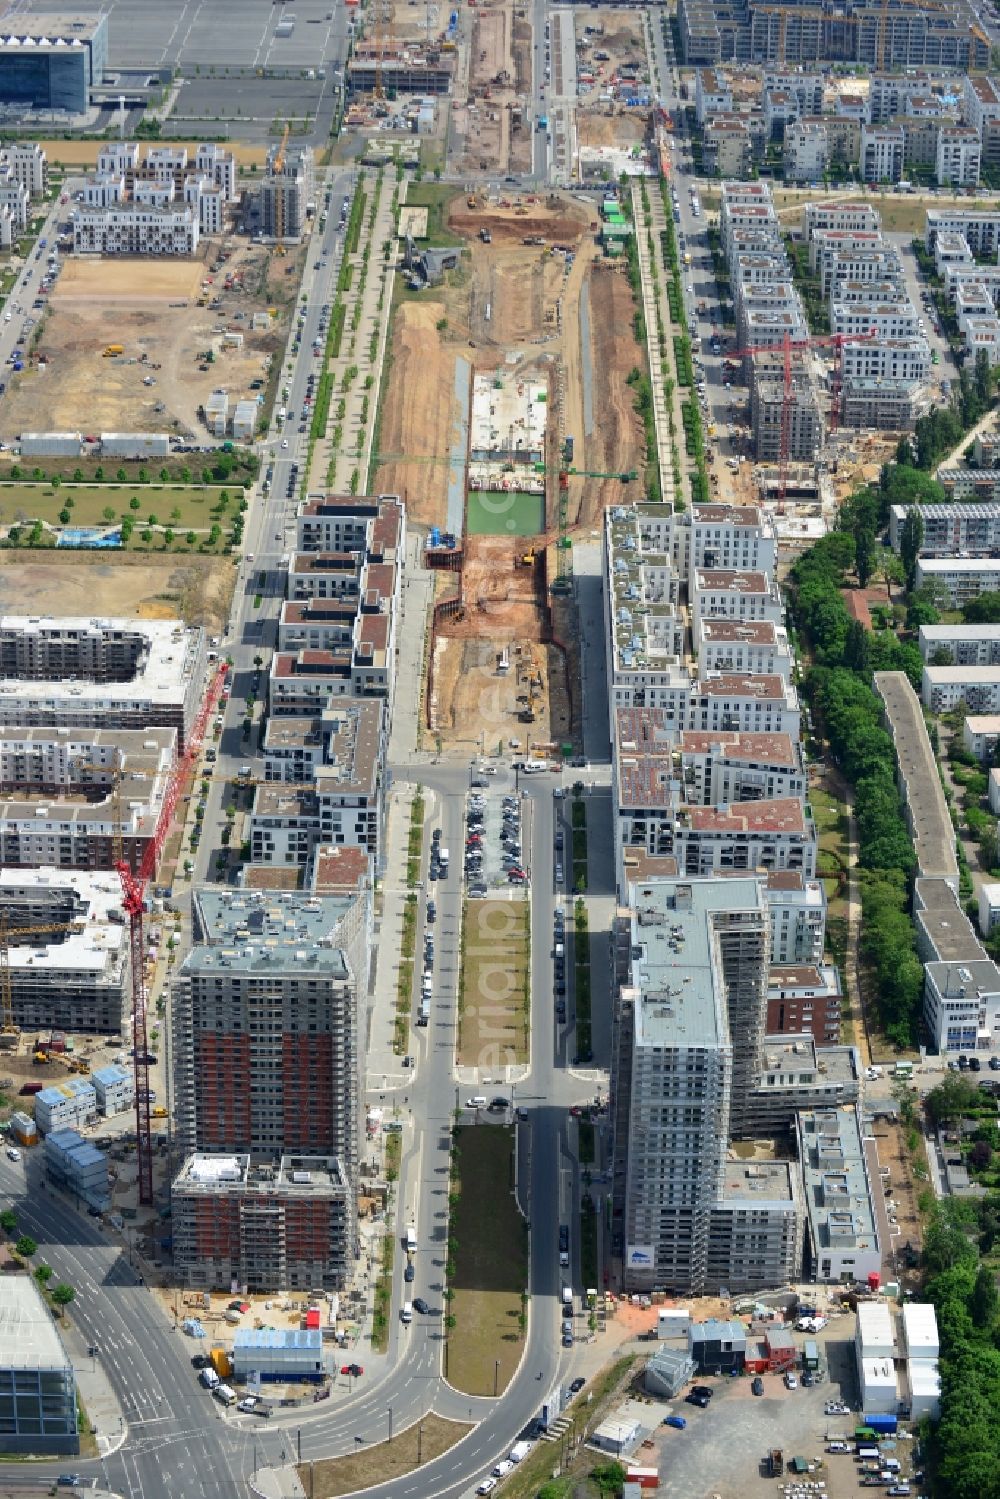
(221,1362)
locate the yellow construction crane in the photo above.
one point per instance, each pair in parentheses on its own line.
(279,160)
(277,167)
(9,1032)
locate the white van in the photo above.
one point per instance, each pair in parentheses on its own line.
(224,1394)
(209,1379)
(406,1315)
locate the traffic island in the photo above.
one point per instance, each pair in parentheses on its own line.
(381,1463)
(494,1012)
(487,1264)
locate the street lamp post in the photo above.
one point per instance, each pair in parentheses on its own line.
(496,1376)
(390,1423)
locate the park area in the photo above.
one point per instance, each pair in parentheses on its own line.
(495,990)
(175,511)
(487,1263)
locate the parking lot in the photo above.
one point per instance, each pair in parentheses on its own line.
(724,1447)
(497,837)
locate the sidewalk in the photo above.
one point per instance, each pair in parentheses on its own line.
(99,1400)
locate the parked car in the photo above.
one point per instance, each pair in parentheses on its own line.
(354,1370)
(757,1388)
(677,1422)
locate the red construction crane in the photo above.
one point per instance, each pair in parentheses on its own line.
(133,888)
(836,341)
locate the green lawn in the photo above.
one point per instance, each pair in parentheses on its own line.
(184,508)
(494,986)
(488,1262)
(505,513)
(435,197)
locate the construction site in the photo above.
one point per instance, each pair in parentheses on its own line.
(509,485)
(177,331)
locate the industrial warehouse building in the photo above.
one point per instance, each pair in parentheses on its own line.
(52,61)
(37,1384)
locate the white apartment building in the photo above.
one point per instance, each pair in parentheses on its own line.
(888,320)
(744,836)
(758,647)
(730,593)
(967,645)
(960,578)
(134,229)
(714,767)
(845,218)
(747,704)
(839,1195)
(796,905)
(27,164)
(805,88)
(951,249)
(959,156)
(712,94)
(962,1005)
(946,687)
(895,359)
(806,152)
(963,530)
(882,148)
(981,227)
(729,536)
(688,1036)
(981,107)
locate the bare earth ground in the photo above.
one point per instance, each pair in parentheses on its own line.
(84,153)
(625,128)
(617,444)
(533,307)
(419,412)
(151,308)
(198,589)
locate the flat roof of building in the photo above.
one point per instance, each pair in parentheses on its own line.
(944,633)
(296,1176)
(760,1183)
(938,913)
(780,815)
(729,744)
(930,821)
(742,631)
(168,652)
(975,676)
(248,930)
(835,1179)
(678,975)
(963,564)
(730,580)
(28,1337)
(90,905)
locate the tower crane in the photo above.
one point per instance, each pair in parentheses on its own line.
(788,345)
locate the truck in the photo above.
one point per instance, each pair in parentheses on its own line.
(424,1013)
(410,1239)
(878,1421)
(534,767)
(775,1462)
(443,858)
(112,350)
(519,1451)
(542,123)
